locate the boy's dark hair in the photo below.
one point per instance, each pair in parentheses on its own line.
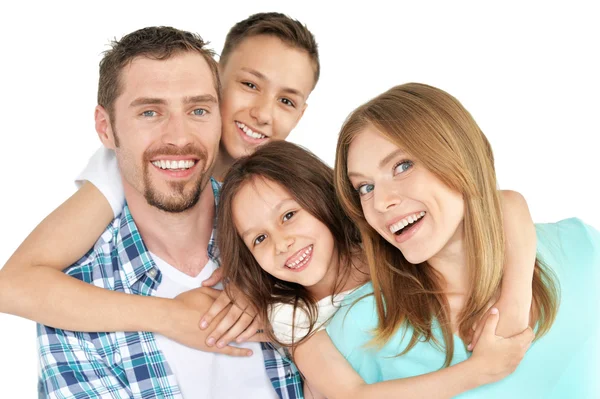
(290,31)
(158,43)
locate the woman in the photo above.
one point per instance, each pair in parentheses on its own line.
(414,150)
(288,247)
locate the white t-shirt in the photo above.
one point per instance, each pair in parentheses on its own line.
(205,374)
(102,171)
(281,316)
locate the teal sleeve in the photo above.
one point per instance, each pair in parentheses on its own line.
(351,331)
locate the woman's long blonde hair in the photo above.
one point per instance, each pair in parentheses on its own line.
(436,129)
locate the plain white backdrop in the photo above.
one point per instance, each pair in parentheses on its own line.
(527,71)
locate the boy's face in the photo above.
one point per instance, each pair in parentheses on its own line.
(265,87)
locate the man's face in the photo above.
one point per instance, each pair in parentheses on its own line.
(266,84)
(167,126)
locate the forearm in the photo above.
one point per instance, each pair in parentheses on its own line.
(329,373)
(50,297)
(445,383)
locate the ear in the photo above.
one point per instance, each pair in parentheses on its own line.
(104,127)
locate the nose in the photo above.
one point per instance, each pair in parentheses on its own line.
(262,110)
(176,132)
(283,244)
(385,197)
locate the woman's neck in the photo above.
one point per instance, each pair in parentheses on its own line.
(451,263)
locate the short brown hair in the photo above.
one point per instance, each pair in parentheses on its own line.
(158,43)
(290,31)
(310,182)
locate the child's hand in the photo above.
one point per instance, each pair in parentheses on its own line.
(496,356)
(515,318)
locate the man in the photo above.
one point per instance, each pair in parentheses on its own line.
(159,110)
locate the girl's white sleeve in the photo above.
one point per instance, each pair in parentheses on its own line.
(103,172)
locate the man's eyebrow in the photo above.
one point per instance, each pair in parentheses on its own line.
(260,75)
(147,101)
(204,98)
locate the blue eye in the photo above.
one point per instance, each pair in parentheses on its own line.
(288,216)
(199,112)
(259,239)
(149,113)
(365,189)
(402,167)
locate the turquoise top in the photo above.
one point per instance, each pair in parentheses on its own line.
(561,364)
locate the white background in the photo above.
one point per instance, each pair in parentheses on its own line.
(528,72)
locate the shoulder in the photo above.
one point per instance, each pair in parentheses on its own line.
(356,319)
(568,240)
(289,324)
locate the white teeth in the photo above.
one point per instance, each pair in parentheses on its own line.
(301,261)
(173,165)
(249,131)
(405,222)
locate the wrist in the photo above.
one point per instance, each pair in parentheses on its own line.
(164,314)
(476,369)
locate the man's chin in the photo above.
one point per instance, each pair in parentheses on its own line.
(171,205)
(173,202)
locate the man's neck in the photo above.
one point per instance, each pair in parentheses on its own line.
(180,239)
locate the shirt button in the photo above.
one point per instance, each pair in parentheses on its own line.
(117,358)
(152,273)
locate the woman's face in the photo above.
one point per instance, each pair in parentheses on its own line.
(286,240)
(402,200)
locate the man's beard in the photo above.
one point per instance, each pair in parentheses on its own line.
(178,199)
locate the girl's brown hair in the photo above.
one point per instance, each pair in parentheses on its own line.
(310,183)
(436,129)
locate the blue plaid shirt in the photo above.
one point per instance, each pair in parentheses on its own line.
(127,364)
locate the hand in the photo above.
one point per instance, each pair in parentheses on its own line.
(214,278)
(495,356)
(515,318)
(182,323)
(240,321)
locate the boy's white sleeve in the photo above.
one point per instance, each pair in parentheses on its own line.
(103,172)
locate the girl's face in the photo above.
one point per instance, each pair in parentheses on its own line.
(402,200)
(287,241)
